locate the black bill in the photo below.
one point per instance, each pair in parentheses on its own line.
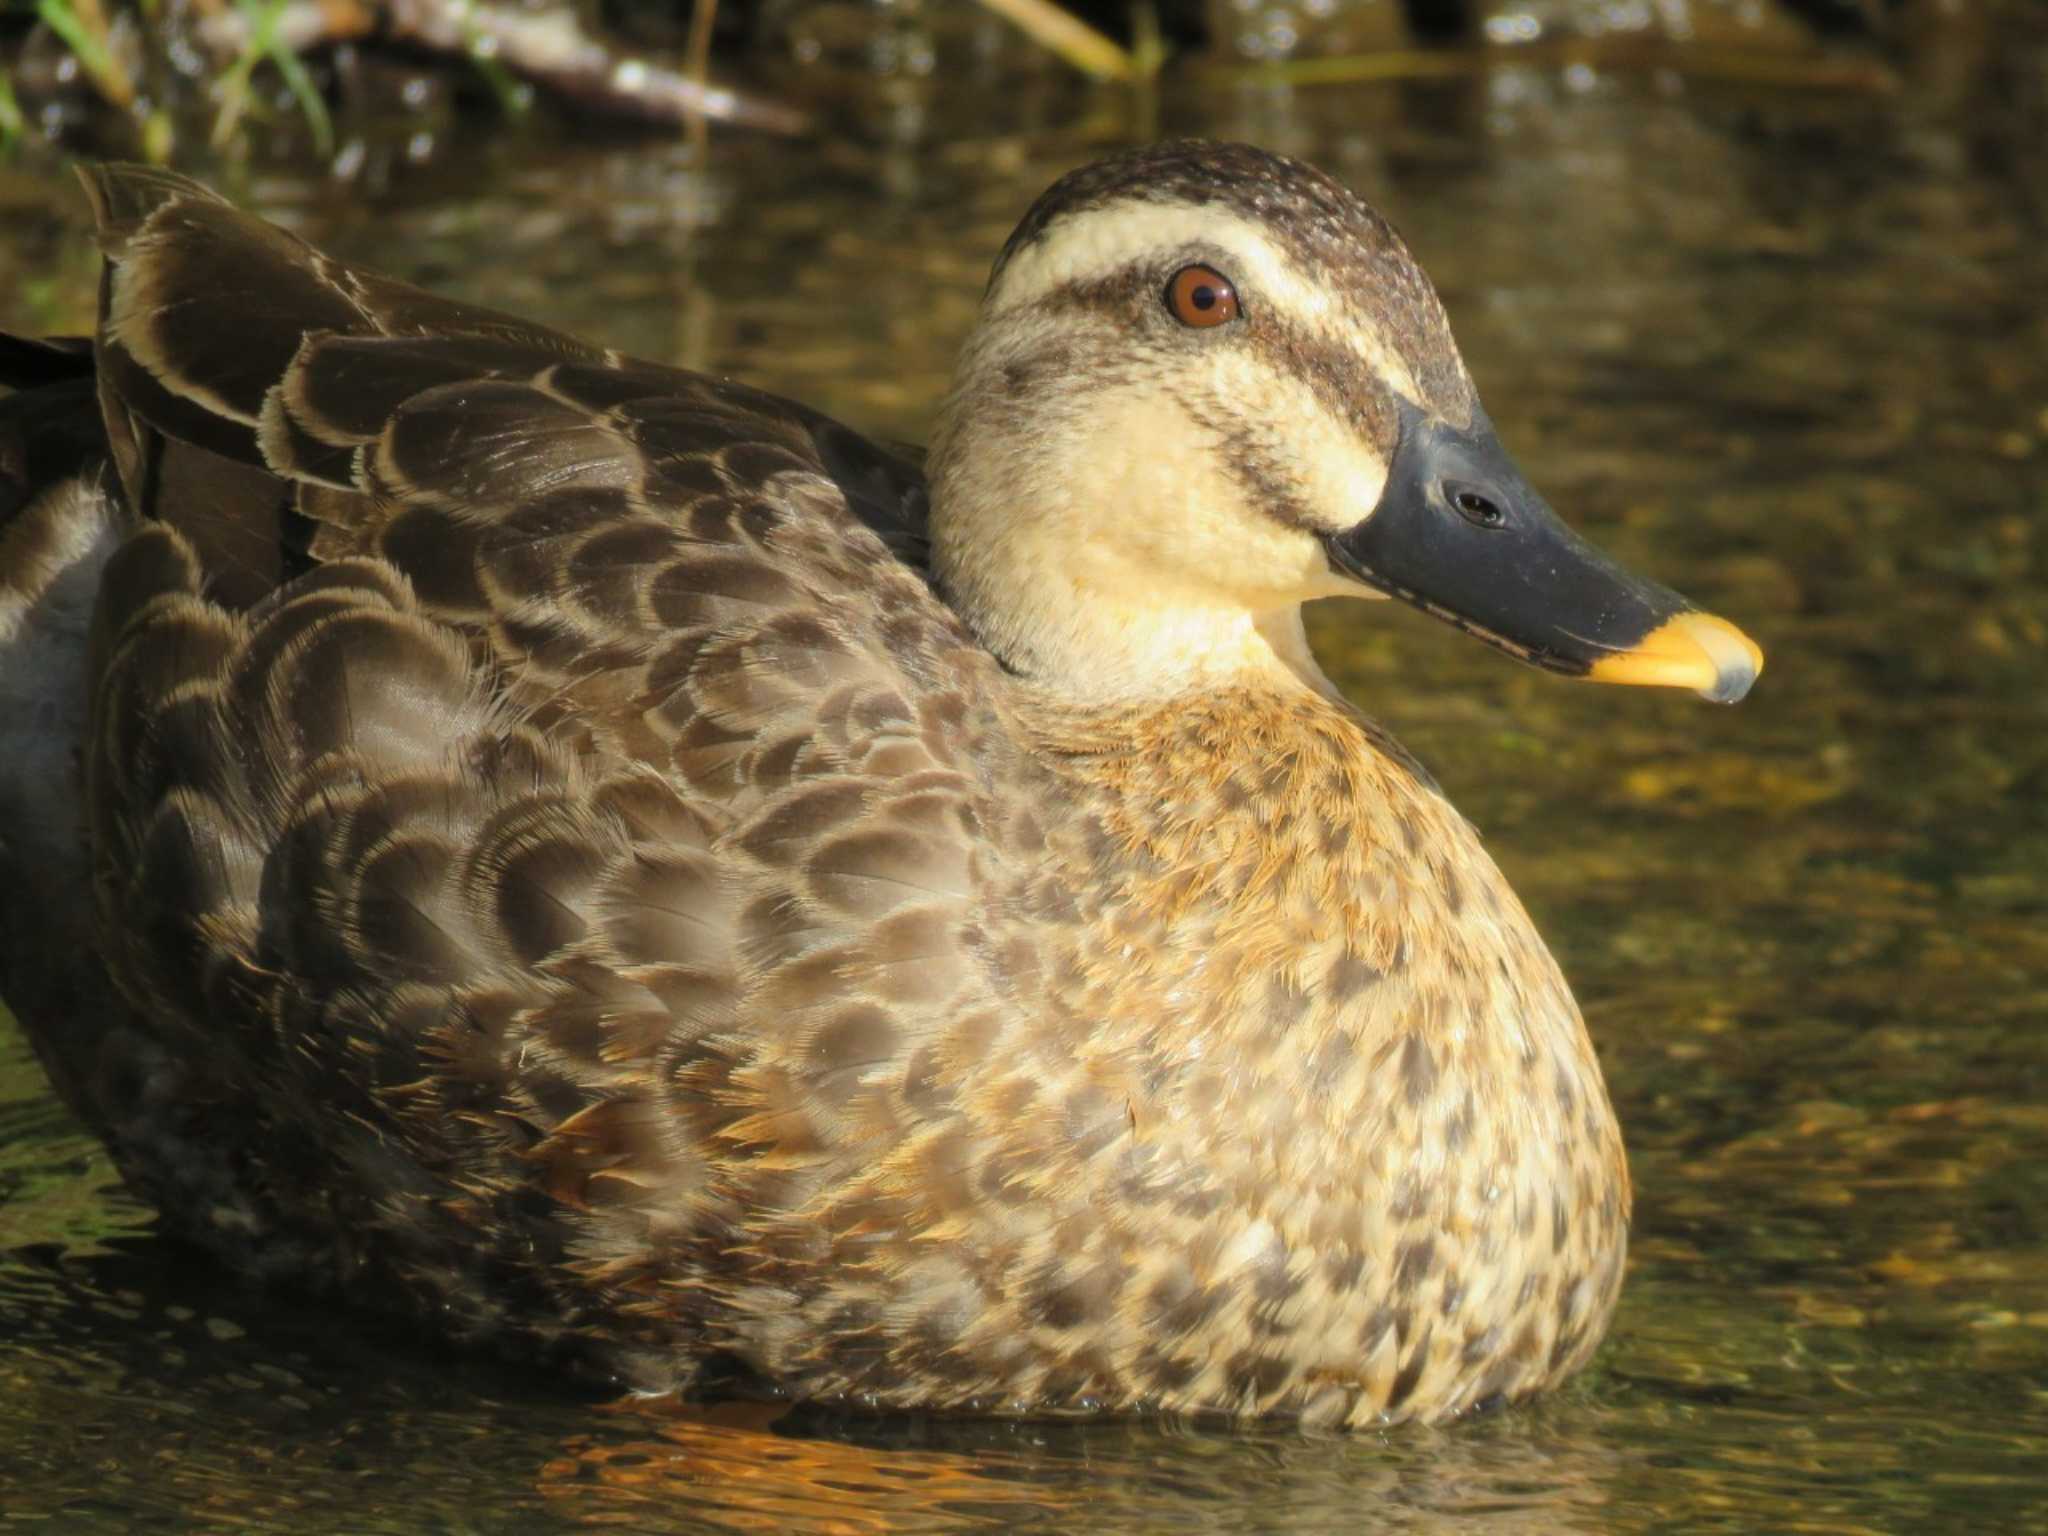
(1459,533)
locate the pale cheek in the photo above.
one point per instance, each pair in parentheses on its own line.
(1335,477)
(1170,510)
(1261,564)
(1342,481)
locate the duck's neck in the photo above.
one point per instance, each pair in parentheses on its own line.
(1275,812)
(1098,548)
(1133,651)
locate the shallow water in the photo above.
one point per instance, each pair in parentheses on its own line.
(1787,351)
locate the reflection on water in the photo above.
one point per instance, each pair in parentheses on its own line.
(1790,355)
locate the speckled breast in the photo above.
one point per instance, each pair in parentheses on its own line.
(1291,1112)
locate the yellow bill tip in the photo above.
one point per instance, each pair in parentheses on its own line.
(1691,650)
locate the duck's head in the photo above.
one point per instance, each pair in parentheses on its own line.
(1208,384)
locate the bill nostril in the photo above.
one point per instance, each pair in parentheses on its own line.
(1475,506)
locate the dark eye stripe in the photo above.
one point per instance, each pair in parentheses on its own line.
(1339,378)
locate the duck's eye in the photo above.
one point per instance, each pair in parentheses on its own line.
(1476,507)
(1201,296)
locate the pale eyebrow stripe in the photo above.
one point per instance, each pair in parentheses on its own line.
(1317,361)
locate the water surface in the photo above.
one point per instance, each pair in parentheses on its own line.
(1789,353)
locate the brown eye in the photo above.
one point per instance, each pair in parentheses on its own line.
(1201,296)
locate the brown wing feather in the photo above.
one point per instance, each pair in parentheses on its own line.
(225,335)
(534,782)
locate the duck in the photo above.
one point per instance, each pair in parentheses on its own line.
(620,867)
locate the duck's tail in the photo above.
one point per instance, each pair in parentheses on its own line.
(26,361)
(59,521)
(50,424)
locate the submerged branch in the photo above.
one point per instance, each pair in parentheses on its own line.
(549,48)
